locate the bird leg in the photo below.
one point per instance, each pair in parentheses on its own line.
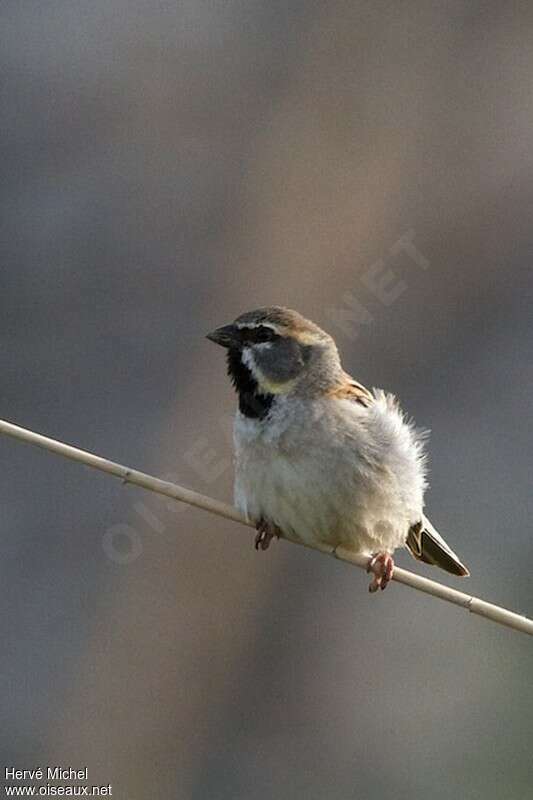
(265,533)
(381,566)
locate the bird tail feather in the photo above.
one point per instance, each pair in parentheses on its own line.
(427,545)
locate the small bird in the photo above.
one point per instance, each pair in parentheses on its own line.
(319,458)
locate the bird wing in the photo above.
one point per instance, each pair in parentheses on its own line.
(423,541)
(350,389)
(425,544)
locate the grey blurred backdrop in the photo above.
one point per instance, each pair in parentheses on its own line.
(165,166)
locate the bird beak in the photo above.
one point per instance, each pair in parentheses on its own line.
(227,336)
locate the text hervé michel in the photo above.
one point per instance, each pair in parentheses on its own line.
(48,773)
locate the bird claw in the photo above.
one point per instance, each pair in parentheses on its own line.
(266,531)
(382,567)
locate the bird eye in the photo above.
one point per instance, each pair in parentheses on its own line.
(260,334)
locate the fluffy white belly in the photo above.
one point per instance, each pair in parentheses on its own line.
(349,475)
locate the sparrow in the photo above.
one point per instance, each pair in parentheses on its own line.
(318,457)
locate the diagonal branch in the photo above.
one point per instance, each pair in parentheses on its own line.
(473,604)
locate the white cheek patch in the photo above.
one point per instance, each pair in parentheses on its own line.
(249,361)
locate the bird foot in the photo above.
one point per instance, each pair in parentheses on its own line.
(381,566)
(265,533)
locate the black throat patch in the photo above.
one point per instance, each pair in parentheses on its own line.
(252,403)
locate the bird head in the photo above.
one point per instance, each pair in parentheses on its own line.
(275,351)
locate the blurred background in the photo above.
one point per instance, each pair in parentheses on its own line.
(166,166)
